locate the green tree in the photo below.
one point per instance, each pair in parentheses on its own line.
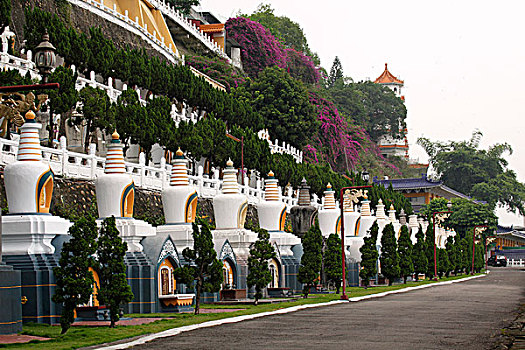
(5,13)
(333,268)
(336,77)
(261,252)
(203,266)
(477,172)
(389,258)
(419,256)
(311,260)
(466,253)
(404,250)
(429,252)
(452,254)
(479,262)
(183,6)
(63,100)
(95,112)
(114,288)
(74,281)
(283,104)
(444,264)
(283,28)
(369,255)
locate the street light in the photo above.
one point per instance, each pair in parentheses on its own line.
(351,188)
(45,57)
(480,229)
(441,215)
(365,176)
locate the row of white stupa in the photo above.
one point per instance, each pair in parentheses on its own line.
(29,228)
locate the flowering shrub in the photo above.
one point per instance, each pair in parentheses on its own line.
(218,69)
(301,67)
(338,143)
(260,49)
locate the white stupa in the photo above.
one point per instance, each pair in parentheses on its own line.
(230,207)
(351,217)
(414,227)
(116,196)
(29,228)
(271,211)
(329,215)
(179,201)
(367,219)
(272,216)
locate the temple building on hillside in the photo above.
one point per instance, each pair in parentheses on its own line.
(421,191)
(387,144)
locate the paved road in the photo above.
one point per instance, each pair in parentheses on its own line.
(458,316)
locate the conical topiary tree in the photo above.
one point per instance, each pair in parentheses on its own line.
(333,267)
(312,258)
(419,256)
(404,250)
(460,260)
(114,288)
(259,274)
(203,266)
(74,281)
(369,255)
(452,254)
(430,243)
(443,262)
(389,257)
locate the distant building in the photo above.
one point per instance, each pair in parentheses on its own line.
(421,191)
(387,144)
(508,241)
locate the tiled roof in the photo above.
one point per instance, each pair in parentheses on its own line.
(388,78)
(212,28)
(418,183)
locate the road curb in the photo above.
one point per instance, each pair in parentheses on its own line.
(175,331)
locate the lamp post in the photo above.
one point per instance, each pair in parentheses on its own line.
(441,215)
(365,177)
(45,60)
(480,229)
(45,57)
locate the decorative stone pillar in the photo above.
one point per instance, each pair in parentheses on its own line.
(303,215)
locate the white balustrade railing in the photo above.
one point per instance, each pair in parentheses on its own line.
(131,25)
(82,166)
(169,11)
(516,262)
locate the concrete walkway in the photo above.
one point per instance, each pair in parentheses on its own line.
(453,316)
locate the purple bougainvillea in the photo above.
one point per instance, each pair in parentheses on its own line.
(260,49)
(337,142)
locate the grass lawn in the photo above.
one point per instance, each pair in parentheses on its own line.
(78,337)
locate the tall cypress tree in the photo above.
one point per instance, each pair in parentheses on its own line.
(332,261)
(74,281)
(389,257)
(312,258)
(443,262)
(114,288)
(430,242)
(203,267)
(419,256)
(404,250)
(259,274)
(369,255)
(452,254)
(460,260)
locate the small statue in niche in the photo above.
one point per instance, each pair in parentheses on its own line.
(13,106)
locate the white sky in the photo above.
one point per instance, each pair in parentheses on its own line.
(462,61)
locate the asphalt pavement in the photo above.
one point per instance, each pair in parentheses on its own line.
(465,315)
